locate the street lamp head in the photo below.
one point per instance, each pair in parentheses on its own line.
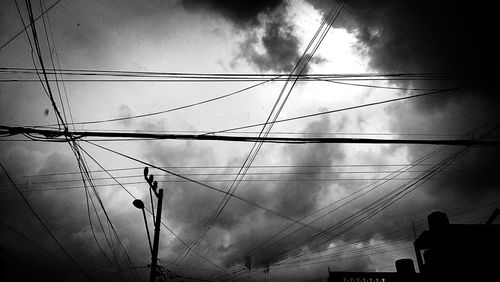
(138,204)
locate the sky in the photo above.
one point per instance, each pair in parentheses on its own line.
(300,209)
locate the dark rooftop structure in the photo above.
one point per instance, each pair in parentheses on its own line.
(405,272)
(445,252)
(458,252)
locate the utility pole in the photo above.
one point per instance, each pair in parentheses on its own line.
(156,240)
(153,186)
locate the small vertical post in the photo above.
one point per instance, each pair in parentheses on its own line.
(248,264)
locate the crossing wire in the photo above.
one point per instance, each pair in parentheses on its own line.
(25,27)
(128,192)
(372,209)
(80,269)
(62,122)
(268,210)
(266,167)
(267,126)
(361,192)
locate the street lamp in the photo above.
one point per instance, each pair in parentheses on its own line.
(140,205)
(153,186)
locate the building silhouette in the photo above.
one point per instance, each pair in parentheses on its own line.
(444,252)
(458,252)
(405,272)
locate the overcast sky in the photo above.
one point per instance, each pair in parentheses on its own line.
(298,210)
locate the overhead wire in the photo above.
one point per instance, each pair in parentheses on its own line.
(67,188)
(81,165)
(405,191)
(385,203)
(273,78)
(62,119)
(50,51)
(239,77)
(396,195)
(280,265)
(128,192)
(75,123)
(62,122)
(86,178)
(61,136)
(42,65)
(32,55)
(25,237)
(348,108)
(210,174)
(87,174)
(266,167)
(25,27)
(176,108)
(47,91)
(365,213)
(267,126)
(365,190)
(354,195)
(206,177)
(39,219)
(212,188)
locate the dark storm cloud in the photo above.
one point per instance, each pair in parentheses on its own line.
(436,37)
(63,212)
(241,226)
(280,47)
(291,198)
(276,48)
(242,13)
(299,198)
(426,36)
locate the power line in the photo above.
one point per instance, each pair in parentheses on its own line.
(280,265)
(50,134)
(72,142)
(210,174)
(25,27)
(173,109)
(441,91)
(62,121)
(266,167)
(300,65)
(317,134)
(330,228)
(229,180)
(214,189)
(168,228)
(376,207)
(210,77)
(84,168)
(48,252)
(40,59)
(44,225)
(355,195)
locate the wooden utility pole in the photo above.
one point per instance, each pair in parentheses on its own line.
(156,240)
(153,186)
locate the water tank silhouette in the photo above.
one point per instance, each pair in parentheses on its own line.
(437,219)
(405,267)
